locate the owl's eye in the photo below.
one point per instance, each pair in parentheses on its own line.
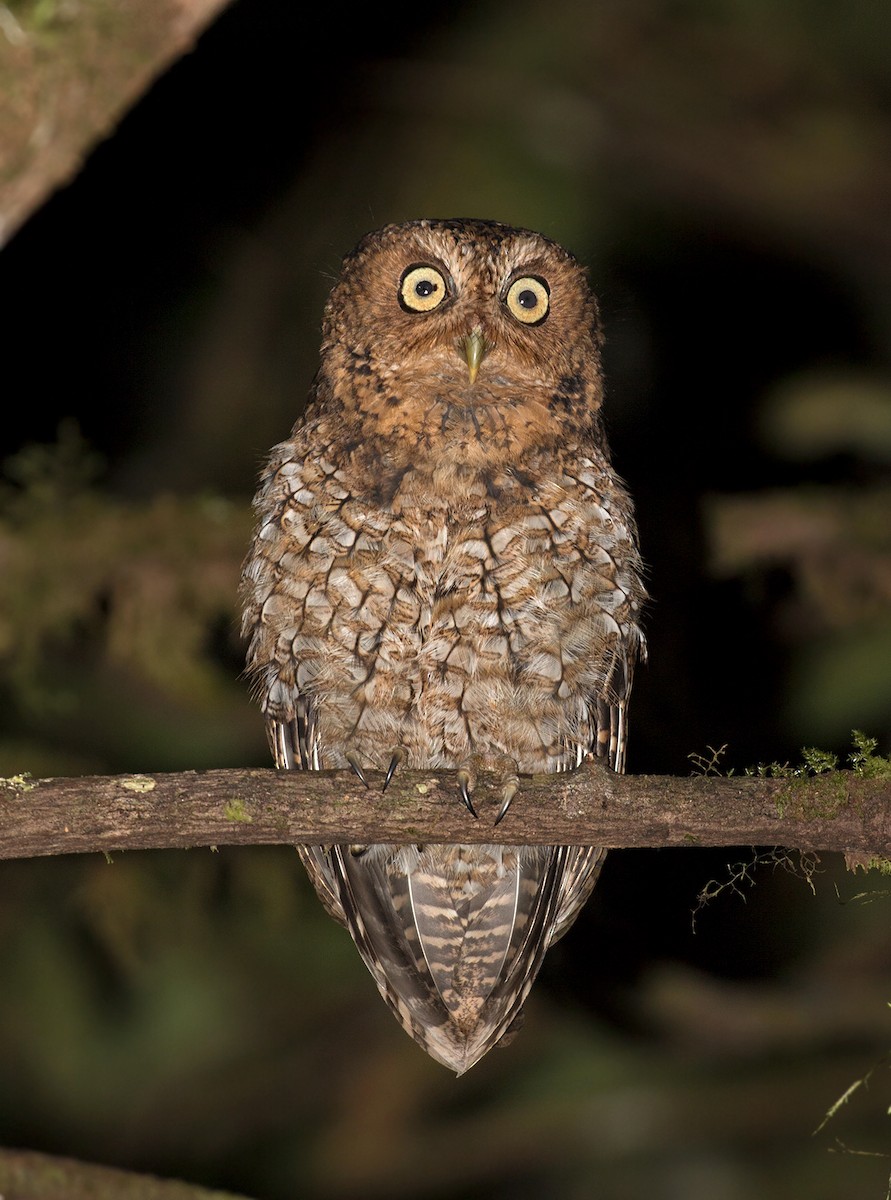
(422,288)
(528,299)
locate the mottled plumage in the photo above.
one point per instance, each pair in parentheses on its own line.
(445,574)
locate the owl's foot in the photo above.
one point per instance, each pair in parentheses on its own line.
(508,779)
(397,757)
(508,791)
(465,784)
(355,765)
(509,782)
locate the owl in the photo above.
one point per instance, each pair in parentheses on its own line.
(445,574)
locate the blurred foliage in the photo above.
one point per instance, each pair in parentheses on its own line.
(199,1015)
(833,541)
(101,600)
(723,167)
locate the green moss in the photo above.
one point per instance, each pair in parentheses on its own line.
(139,783)
(235,811)
(818,762)
(864,760)
(825,799)
(874,863)
(18,783)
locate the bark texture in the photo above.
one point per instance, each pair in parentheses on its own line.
(836,811)
(68,73)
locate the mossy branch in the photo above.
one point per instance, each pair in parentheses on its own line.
(834,811)
(69,73)
(28,1176)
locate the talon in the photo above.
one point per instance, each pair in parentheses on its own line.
(356,766)
(464,789)
(398,757)
(507,794)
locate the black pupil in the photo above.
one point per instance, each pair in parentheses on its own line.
(425,287)
(527,298)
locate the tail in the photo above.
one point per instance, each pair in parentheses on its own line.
(454,935)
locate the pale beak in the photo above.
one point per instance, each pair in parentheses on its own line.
(474,346)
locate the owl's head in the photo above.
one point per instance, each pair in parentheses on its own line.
(467,312)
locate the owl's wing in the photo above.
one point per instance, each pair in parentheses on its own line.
(609,710)
(609,715)
(294,746)
(579,877)
(295,743)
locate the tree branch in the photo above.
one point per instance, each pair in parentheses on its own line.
(836,811)
(25,1175)
(69,73)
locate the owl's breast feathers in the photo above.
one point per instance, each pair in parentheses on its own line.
(439,618)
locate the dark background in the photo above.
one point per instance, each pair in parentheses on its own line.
(723,168)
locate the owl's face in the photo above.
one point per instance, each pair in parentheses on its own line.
(471,312)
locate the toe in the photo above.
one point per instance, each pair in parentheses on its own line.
(355,764)
(397,756)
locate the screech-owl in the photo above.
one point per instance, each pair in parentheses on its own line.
(445,574)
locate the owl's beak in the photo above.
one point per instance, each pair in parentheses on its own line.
(474,346)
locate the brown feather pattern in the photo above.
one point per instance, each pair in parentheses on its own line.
(448,567)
